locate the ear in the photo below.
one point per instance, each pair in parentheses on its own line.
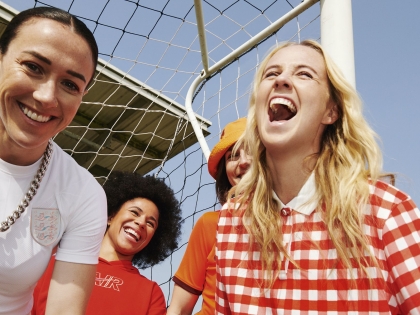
(331,114)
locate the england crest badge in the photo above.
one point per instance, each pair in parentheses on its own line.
(45,225)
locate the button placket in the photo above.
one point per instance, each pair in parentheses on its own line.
(287,229)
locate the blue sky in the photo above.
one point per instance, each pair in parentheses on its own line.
(386,41)
(387,44)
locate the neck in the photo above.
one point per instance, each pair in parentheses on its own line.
(289,174)
(109,253)
(15,154)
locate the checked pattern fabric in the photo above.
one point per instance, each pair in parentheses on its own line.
(322,285)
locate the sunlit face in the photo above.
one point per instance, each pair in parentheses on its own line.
(43,77)
(293,104)
(236,165)
(132,228)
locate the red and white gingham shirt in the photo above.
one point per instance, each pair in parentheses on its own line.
(321,285)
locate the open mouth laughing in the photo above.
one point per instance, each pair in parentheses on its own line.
(281,109)
(133,234)
(32,115)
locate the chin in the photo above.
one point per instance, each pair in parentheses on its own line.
(236,182)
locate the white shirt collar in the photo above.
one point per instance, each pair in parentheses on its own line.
(304,202)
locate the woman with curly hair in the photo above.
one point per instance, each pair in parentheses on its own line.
(144,222)
(315,230)
(196,274)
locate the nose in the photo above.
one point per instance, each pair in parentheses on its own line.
(141,221)
(283,81)
(46,94)
(244,159)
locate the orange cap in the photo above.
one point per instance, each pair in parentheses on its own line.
(228,138)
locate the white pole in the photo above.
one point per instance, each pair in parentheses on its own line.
(337,35)
(201,34)
(305,4)
(193,119)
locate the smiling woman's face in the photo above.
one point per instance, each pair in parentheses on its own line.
(236,165)
(293,103)
(43,77)
(131,229)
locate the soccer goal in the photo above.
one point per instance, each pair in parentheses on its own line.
(171,75)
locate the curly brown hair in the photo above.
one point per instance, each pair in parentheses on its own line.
(122,187)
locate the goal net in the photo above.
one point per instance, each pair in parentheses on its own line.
(134,116)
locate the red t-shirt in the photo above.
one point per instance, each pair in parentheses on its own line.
(119,289)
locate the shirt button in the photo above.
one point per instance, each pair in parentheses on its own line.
(285,212)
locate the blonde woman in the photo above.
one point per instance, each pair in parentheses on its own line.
(316,232)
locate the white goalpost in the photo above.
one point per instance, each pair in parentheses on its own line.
(171,75)
(208,71)
(336,36)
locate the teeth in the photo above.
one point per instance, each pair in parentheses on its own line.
(132,232)
(282,101)
(33,115)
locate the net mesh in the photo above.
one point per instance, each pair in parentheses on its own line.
(133,117)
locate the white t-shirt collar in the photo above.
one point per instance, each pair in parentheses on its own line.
(305,201)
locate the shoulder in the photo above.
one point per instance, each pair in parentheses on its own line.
(388,201)
(386,196)
(68,175)
(205,227)
(149,285)
(209,218)
(66,163)
(206,224)
(384,192)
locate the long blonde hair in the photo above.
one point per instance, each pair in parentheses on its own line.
(349,158)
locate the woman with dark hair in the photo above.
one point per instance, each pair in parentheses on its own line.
(47,59)
(225,165)
(54,14)
(314,230)
(197,273)
(144,223)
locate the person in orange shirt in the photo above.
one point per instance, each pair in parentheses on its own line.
(144,225)
(197,273)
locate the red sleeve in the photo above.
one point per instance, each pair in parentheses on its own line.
(191,274)
(401,238)
(41,290)
(157,301)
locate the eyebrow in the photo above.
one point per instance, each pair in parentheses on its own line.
(306,66)
(151,217)
(299,66)
(48,61)
(154,219)
(39,56)
(77,75)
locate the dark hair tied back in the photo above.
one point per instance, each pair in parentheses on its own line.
(54,14)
